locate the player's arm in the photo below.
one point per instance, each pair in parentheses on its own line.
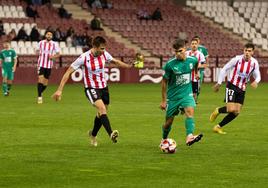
(163,104)
(202,62)
(257,76)
(55,56)
(121,63)
(223,73)
(15,64)
(57,95)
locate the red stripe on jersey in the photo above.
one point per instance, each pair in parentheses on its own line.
(101,74)
(39,59)
(43,59)
(47,61)
(245,79)
(93,68)
(236,65)
(86,72)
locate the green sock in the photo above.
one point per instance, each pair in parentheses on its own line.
(165,132)
(4,86)
(189,125)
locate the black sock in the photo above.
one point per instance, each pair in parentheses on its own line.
(43,88)
(106,123)
(222,110)
(228,118)
(39,89)
(8,87)
(97,126)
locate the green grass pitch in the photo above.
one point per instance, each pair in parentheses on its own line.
(46,146)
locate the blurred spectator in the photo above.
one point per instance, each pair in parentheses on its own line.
(22,35)
(96,4)
(70,31)
(58,35)
(95,24)
(2,31)
(63,13)
(34,35)
(157,14)
(12,35)
(31,12)
(143,14)
(37,2)
(69,41)
(105,4)
(89,3)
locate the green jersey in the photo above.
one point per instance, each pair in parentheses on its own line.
(7,57)
(203,49)
(178,74)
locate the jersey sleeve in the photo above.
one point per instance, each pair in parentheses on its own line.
(202,59)
(14,54)
(205,51)
(256,73)
(1,56)
(78,62)
(57,49)
(225,69)
(167,71)
(108,56)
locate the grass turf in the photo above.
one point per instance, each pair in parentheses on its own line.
(47,145)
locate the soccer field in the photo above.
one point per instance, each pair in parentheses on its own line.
(47,145)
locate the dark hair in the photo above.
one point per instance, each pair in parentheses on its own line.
(179,43)
(49,31)
(97,41)
(196,37)
(249,45)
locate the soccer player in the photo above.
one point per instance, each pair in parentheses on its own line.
(201,64)
(204,51)
(240,69)
(48,51)
(8,59)
(177,92)
(92,63)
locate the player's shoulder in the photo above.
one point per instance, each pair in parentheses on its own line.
(202,47)
(171,60)
(191,58)
(254,60)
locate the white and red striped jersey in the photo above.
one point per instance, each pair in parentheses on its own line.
(93,68)
(240,71)
(201,60)
(46,49)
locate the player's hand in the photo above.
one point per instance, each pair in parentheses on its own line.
(254,85)
(14,69)
(216,87)
(57,96)
(197,76)
(163,105)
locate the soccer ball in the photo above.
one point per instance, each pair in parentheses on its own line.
(168,145)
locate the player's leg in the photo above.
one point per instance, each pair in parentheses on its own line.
(10,78)
(172,110)
(190,126)
(167,127)
(4,81)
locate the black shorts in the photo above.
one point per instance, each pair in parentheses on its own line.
(95,94)
(195,87)
(234,94)
(44,71)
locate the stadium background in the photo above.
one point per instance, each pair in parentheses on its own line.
(224,27)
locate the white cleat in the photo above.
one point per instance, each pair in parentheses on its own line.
(39,100)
